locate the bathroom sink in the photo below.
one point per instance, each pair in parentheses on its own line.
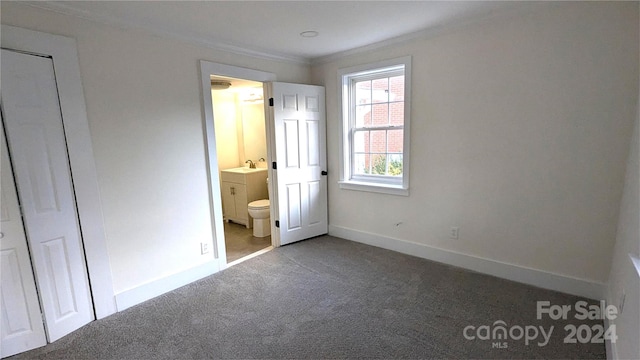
(244,170)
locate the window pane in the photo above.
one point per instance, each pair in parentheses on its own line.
(363,115)
(361,141)
(396,113)
(379,141)
(394,141)
(395,164)
(379,164)
(396,88)
(361,164)
(363,92)
(380,90)
(380,114)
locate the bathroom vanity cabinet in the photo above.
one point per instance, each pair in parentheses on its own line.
(239,187)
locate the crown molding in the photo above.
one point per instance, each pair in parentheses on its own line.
(427,33)
(419,35)
(182,36)
(196,39)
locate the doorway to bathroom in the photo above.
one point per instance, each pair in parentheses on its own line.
(241,147)
(295,127)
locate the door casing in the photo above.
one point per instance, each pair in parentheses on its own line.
(208,68)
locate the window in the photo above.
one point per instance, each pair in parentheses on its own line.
(375,127)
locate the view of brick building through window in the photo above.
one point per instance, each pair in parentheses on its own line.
(379,124)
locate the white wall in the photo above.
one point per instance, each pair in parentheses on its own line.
(521,126)
(624,279)
(144,108)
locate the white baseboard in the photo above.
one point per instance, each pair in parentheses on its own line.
(142,293)
(535,277)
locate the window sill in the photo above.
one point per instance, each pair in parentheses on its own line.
(376,188)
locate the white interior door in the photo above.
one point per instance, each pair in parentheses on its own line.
(298,113)
(21,325)
(33,124)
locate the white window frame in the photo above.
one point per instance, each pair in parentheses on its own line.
(380,184)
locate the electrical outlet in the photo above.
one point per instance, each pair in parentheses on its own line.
(204,248)
(454,233)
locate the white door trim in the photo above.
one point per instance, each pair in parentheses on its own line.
(207,68)
(76,126)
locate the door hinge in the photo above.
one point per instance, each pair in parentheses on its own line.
(274,165)
(270,101)
(277,223)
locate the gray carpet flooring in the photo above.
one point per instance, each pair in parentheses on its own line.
(326,298)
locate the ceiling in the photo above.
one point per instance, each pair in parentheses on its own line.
(272,28)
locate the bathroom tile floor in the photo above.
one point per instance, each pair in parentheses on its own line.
(240,241)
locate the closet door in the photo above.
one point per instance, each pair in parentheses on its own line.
(21,322)
(37,145)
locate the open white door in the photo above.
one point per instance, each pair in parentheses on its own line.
(34,131)
(20,320)
(298,113)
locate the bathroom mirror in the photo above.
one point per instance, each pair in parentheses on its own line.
(240,127)
(254,136)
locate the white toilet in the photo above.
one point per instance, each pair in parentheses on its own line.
(259,211)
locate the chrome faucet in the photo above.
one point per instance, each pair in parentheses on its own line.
(251,164)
